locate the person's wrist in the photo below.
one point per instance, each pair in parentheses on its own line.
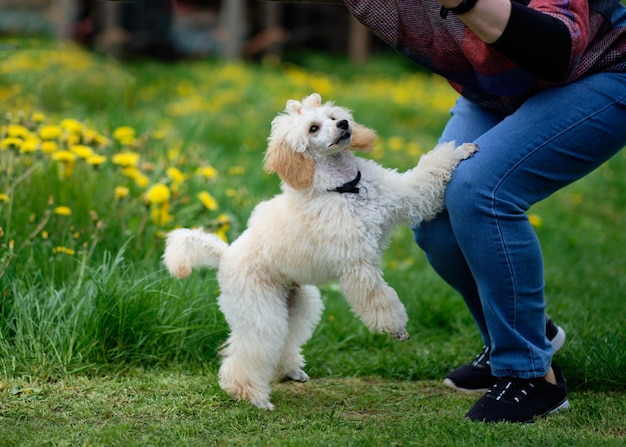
(460,8)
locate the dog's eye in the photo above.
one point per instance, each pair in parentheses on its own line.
(314,128)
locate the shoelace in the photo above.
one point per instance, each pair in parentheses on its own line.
(511,389)
(482,359)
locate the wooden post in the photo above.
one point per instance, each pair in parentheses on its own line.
(358,41)
(233,22)
(272,21)
(66,10)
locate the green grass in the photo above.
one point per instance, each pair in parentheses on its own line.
(182,408)
(98,346)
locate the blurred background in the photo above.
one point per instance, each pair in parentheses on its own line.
(171,30)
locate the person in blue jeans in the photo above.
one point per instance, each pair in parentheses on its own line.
(542,89)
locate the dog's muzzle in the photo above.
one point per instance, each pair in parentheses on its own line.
(345,133)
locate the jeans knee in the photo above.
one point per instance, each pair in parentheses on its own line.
(465,196)
(430,236)
(421,236)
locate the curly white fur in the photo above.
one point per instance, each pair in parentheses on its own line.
(307,235)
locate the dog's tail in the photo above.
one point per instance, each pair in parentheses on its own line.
(186,249)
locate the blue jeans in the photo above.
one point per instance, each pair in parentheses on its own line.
(483,244)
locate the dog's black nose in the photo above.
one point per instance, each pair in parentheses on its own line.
(343,124)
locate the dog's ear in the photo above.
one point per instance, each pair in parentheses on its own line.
(313,100)
(363,138)
(295,168)
(293,107)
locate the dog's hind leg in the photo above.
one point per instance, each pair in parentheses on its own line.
(305,308)
(259,327)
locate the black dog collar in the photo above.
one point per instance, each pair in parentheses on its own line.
(350,186)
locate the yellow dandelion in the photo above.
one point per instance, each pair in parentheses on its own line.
(44,235)
(157,194)
(4,197)
(535,220)
(91,136)
(63,211)
(125,159)
(207,172)
(50,132)
(121,192)
(38,117)
(395,143)
(10,143)
(207,200)
(379,150)
(576,198)
(96,160)
(17,131)
(81,151)
(174,153)
(131,172)
(222,234)
(30,145)
(73,138)
(64,156)
(142,180)
(71,125)
(160,214)
(48,147)
(414,149)
(223,220)
(176,175)
(236,170)
(158,135)
(124,133)
(63,250)
(100,140)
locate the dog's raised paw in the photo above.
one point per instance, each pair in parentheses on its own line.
(468,149)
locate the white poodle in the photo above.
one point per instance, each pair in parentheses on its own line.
(330,223)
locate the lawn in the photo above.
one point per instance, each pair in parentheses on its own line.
(99,346)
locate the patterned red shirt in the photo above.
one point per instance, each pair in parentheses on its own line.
(480,72)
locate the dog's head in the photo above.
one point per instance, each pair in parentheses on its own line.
(307,129)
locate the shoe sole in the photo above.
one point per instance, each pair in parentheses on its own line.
(562,406)
(450,384)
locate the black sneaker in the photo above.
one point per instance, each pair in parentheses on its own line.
(476,377)
(512,399)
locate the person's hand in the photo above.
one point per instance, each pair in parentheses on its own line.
(487,18)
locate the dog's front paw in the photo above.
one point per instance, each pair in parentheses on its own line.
(401,335)
(466,150)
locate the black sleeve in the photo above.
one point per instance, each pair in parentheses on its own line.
(537,42)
